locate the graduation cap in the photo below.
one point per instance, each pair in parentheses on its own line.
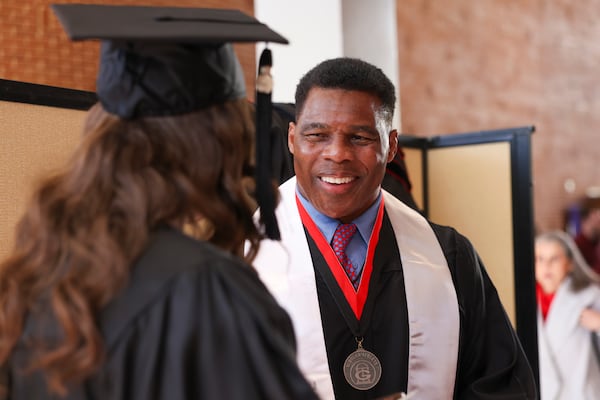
(157,61)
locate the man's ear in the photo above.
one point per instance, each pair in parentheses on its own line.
(393,143)
(291,133)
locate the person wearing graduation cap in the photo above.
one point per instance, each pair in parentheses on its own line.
(385,304)
(126,280)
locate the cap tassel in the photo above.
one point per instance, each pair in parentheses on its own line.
(265,196)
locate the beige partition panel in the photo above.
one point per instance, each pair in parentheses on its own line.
(413,158)
(34,141)
(470,189)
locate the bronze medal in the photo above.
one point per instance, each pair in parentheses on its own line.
(362,369)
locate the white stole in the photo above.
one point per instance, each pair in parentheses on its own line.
(286,269)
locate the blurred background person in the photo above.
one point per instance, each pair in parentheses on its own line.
(568,320)
(588,236)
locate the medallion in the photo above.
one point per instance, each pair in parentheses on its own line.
(362,369)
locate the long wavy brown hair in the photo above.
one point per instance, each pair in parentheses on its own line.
(84,226)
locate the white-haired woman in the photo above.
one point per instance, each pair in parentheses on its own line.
(568,320)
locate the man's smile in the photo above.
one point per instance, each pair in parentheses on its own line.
(337,180)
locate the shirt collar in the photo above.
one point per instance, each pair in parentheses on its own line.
(327,225)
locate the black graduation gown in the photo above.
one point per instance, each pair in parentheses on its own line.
(194,323)
(491,362)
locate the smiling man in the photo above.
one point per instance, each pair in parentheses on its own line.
(384,303)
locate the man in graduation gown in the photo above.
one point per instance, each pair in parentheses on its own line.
(384,303)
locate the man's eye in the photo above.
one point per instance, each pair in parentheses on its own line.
(359,139)
(314,135)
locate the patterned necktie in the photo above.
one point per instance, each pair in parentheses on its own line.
(342,236)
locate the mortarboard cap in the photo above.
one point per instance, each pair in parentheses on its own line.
(157,61)
(164,60)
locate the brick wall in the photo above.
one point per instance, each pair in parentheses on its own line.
(473,65)
(464,65)
(34,47)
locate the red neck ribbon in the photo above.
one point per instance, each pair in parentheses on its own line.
(355,298)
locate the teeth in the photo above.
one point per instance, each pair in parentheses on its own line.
(336,181)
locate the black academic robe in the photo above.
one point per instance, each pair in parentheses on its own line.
(193,323)
(491,362)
